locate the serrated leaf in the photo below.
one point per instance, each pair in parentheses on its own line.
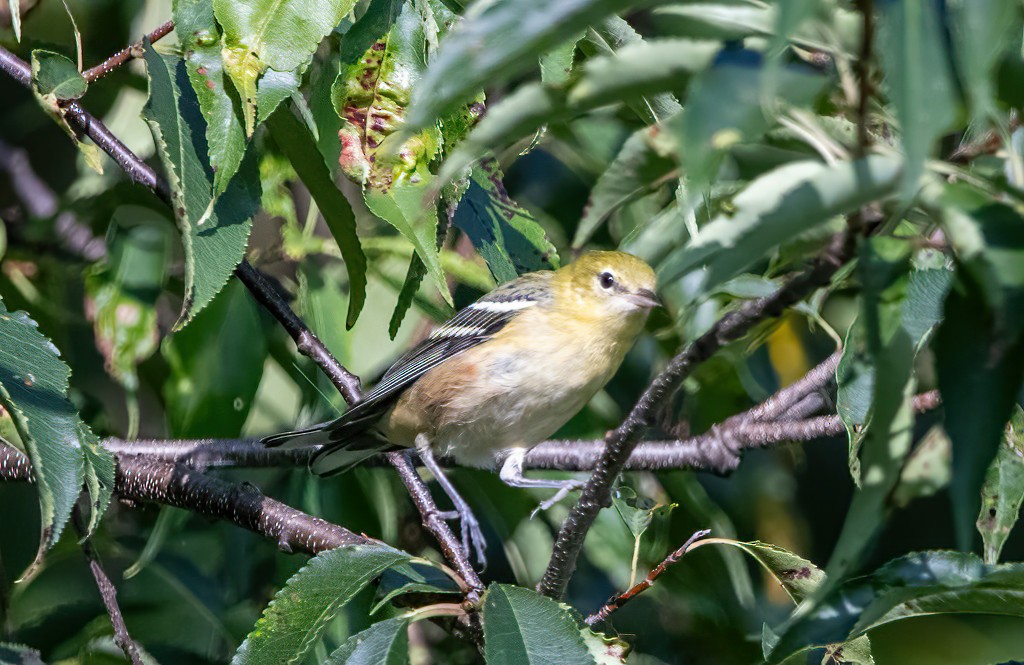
(912,47)
(295,142)
(214,232)
(384,643)
(56,77)
(272,34)
(1003,491)
(215,367)
(301,610)
(914,585)
(273,88)
(522,627)
(507,236)
(514,32)
(199,38)
(63,451)
(636,170)
(774,208)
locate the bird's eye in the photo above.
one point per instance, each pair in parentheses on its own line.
(606,280)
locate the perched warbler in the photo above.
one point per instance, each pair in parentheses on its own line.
(498,378)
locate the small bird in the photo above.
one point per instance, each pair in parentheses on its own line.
(497,379)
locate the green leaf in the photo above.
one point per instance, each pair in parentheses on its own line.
(916,66)
(63,450)
(855,375)
(774,208)
(412,577)
(273,88)
(521,627)
(725,106)
(56,77)
(980,372)
(216,365)
(556,64)
(121,295)
(375,22)
(980,345)
(272,34)
(981,30)
(1003,491)
(383,643)
(798,576)
(214,232)
(507,237)
(299,612)
(14,7)
(199,38)
(514,32)
(884,270)
(371,96)
(295,142)
(911,586)
(928,468)
(613,34)
(636,170)
(407,294)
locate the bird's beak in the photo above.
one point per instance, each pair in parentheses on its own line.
(645,298)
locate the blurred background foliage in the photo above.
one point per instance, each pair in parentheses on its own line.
(609,147)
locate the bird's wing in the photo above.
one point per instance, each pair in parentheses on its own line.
(471,326)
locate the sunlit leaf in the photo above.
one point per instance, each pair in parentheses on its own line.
(63,450)
(214,232)
(384,643)
(1003,491)
(200,41)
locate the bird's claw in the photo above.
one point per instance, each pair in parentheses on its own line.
(472,535)
(563,491)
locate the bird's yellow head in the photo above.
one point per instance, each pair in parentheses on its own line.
(608,285)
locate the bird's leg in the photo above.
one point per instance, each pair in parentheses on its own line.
(512,474)
(471,533)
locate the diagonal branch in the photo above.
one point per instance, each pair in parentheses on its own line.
(306,342)
(127,53)
(621,442)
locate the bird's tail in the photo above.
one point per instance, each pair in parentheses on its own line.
(344,443)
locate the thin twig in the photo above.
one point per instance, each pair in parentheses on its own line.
(621,442)
(108,592)
(124,55)
(620,599)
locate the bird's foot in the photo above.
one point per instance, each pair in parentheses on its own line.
(563,491)
(472,535)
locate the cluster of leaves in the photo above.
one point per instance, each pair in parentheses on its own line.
(725,147)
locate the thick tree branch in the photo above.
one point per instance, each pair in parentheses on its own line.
(156,481)
(126,54)
(621,442)
(108,592)
(306,342)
